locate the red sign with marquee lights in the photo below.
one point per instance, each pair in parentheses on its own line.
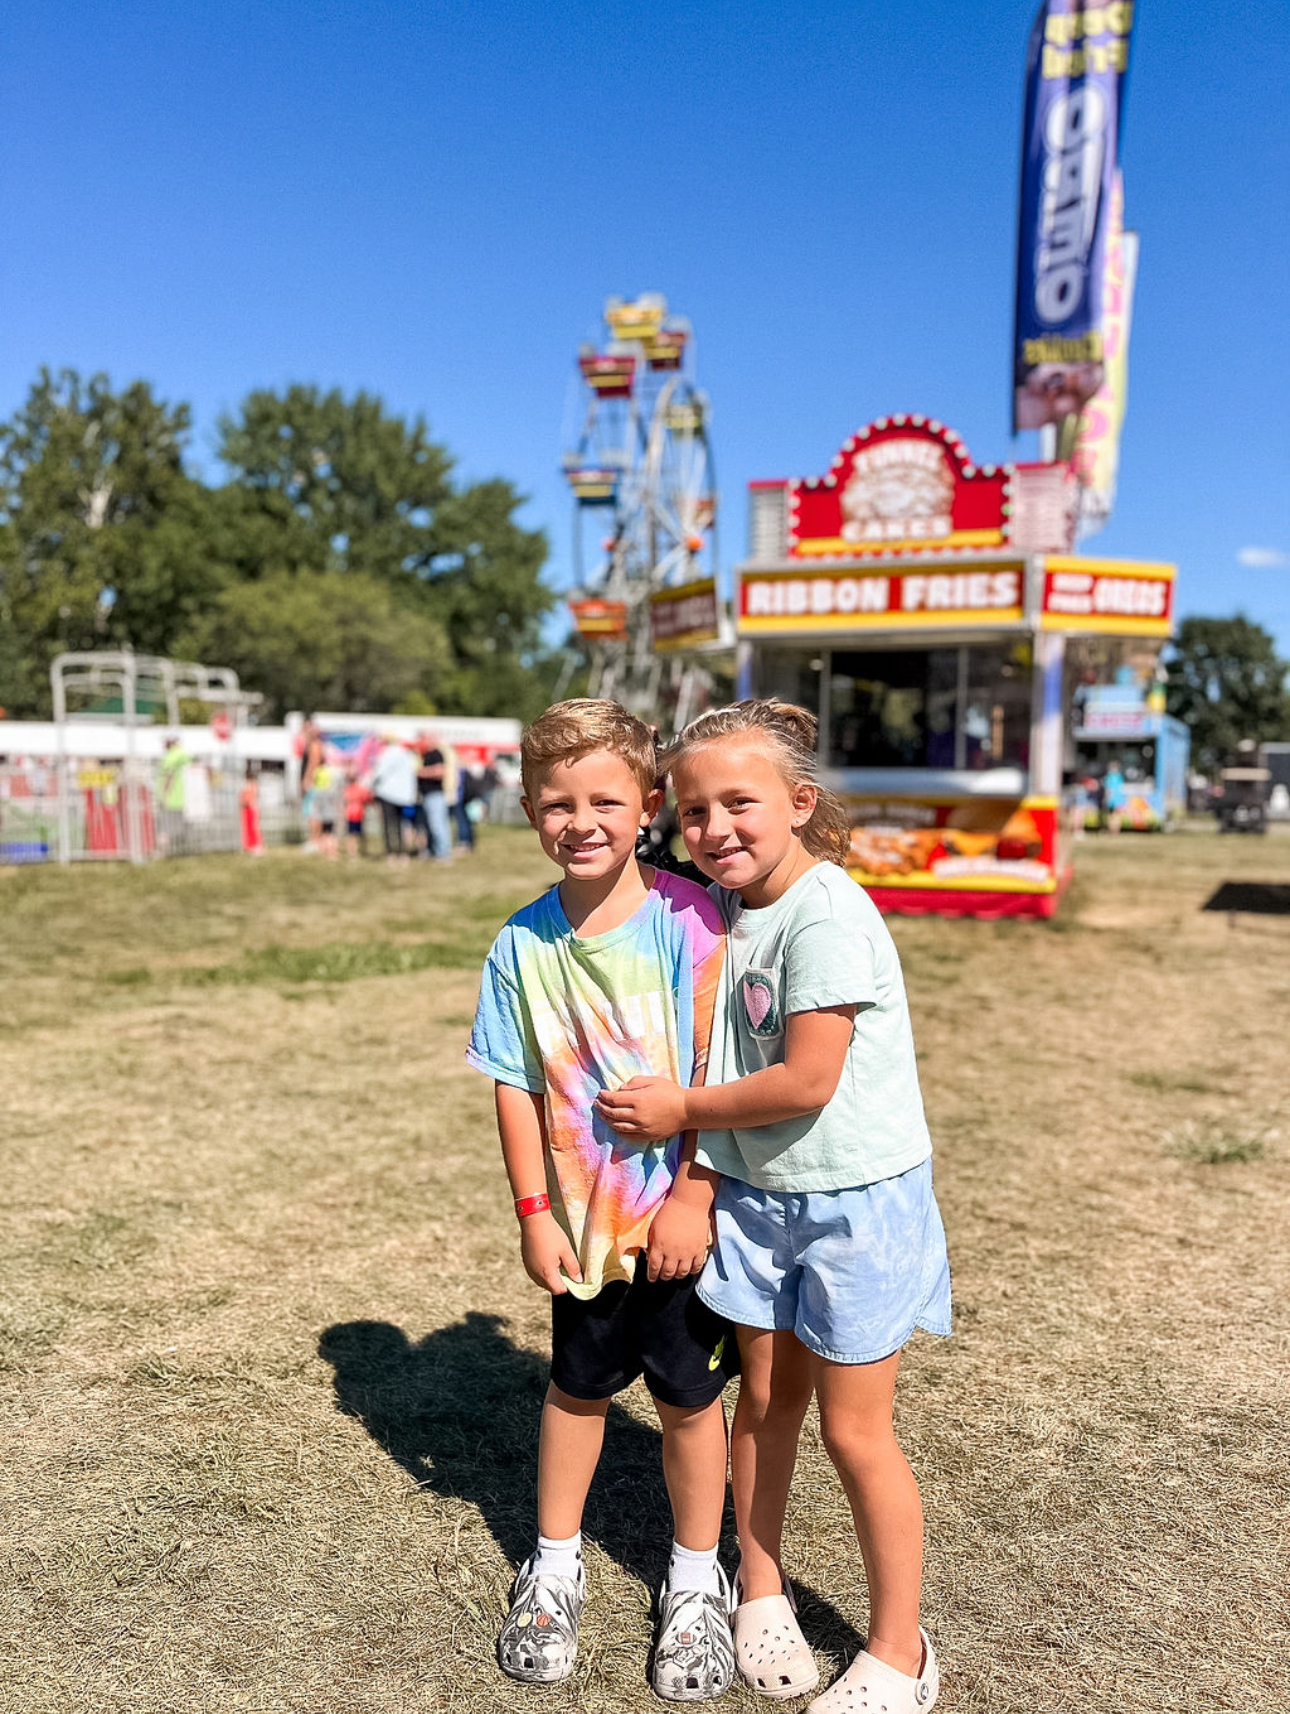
(904,485)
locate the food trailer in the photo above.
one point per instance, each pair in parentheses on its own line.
(932,612)
(1122,728)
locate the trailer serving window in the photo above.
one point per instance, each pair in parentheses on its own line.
(965,707)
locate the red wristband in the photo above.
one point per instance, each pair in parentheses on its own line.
(538,1204)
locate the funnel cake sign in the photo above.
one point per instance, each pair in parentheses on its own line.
(904,485)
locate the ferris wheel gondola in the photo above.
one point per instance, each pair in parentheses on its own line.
(643,482)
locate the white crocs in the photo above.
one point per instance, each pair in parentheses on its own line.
(539,1640)
(693,1655)
(770,1651)
(870,1686)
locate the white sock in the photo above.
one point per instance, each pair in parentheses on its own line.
(690,1570)
(558,1558)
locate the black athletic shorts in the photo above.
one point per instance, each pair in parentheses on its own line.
(664,1331)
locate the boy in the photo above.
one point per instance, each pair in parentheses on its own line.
(611,974)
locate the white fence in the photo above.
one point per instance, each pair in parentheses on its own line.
(94,791)
(86,810)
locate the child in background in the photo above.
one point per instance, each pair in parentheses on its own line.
(610,974)
(830,1249)
(356,799)
(326,803)
(249,798)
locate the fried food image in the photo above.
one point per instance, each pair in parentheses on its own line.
(892,850)
(960,844)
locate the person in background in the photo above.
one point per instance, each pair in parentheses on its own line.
(1074,802)
(249,797)
(172,794)
(356,799)
(490,781)
(313,752)
(1115,795)
(326,789)
(394,786)
(468,807)
(432,768)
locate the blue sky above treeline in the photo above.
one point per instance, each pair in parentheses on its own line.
(432,202)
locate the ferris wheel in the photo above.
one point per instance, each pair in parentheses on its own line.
(645,501)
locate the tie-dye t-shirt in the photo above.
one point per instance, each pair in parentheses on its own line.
(566,1015)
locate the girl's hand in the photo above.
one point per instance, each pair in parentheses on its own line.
(648,1107)
(678,1239)
(546,1252)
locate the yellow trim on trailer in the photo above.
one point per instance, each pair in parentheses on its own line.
(1111,567)
(818,546)
(954,883)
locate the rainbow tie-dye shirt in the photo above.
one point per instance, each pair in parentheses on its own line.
(565,1016)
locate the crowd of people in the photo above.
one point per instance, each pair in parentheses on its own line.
(428,801)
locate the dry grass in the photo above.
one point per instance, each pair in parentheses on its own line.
(269,1371)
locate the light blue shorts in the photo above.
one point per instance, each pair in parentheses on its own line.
(851,1272)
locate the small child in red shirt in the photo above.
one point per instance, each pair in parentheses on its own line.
(249,798)
(357,798)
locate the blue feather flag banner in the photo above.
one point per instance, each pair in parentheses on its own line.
(1076,68)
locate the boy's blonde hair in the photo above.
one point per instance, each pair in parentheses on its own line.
(789,733)
(568,731)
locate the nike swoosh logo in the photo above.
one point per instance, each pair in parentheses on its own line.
(715,1358)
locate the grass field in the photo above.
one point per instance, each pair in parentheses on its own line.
(270,1370)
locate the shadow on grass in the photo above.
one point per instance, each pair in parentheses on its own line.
(459,1412)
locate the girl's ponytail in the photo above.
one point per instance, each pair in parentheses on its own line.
(791,732)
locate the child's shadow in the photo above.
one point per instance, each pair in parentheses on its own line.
(459,1412)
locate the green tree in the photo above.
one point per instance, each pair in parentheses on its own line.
(105,539)
(318,640)
(323,482)
(103,534)
(1226,682)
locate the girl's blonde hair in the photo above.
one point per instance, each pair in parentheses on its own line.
(790,734)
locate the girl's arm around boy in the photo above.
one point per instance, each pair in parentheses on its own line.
(815,1050)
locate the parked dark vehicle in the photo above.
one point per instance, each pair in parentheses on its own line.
(1242,792)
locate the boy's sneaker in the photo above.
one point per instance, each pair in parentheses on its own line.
(539,1641)
(694,1655)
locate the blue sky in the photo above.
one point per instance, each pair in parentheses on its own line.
(433,201)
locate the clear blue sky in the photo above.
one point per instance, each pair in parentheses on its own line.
(432,201)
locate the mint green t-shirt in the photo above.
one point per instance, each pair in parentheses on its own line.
(822,944)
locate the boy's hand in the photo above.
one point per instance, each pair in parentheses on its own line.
(678,1239)
(546,1251)
(647,1107)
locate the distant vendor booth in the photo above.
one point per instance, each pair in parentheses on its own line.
(932,612)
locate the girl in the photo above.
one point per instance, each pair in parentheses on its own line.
(829,1245)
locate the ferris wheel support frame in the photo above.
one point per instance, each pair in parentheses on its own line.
(665,516)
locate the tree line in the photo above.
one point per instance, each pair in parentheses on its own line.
(340,563)
(1226,682)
